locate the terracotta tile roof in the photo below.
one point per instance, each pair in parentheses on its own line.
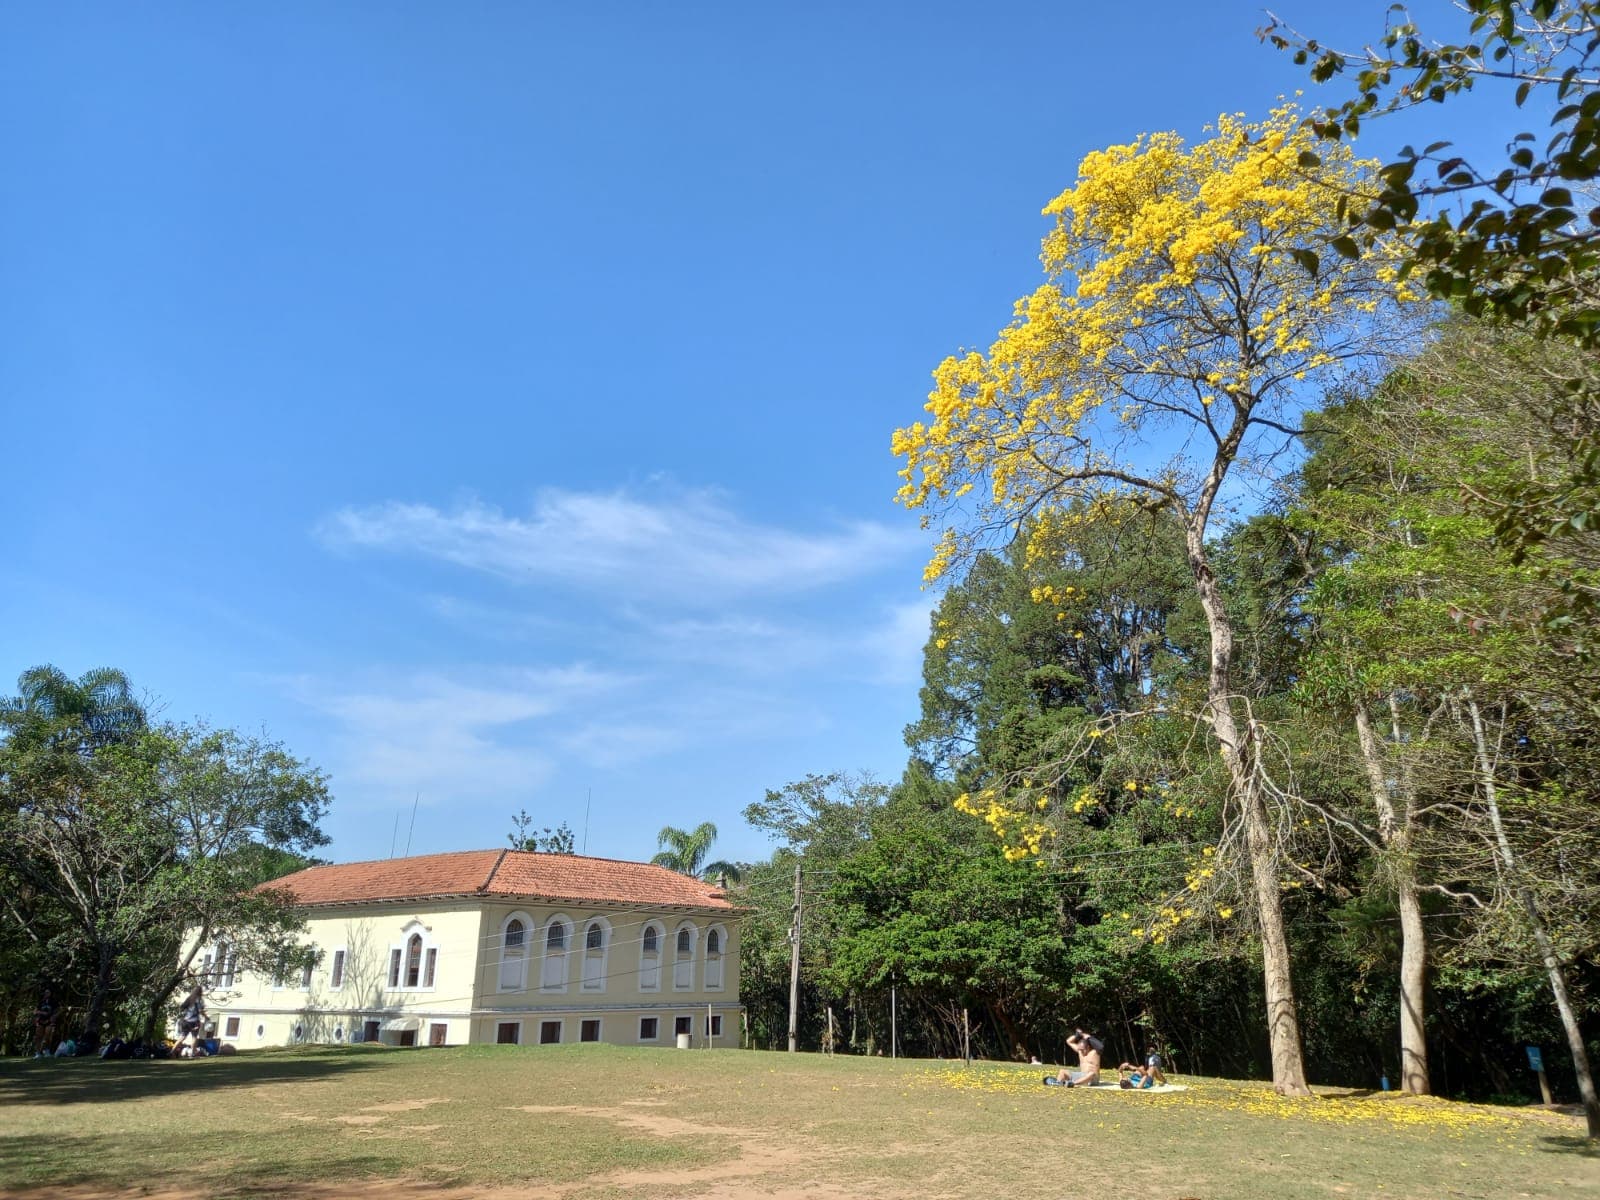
(567,877)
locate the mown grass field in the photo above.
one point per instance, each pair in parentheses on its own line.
(593,1122)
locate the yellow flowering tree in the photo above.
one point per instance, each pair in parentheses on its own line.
(1164,362)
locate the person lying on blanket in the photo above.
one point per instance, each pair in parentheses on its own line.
(1088,1073)
(1146,1075)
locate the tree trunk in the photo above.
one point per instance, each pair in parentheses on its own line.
(1395,833)
(94,1013)
(1019,1046)
(1239,753)
(1530,906)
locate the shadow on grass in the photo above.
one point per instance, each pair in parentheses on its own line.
(1571,1143)
(58,1161)
(50,1081)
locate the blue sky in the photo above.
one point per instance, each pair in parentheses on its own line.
(492,401)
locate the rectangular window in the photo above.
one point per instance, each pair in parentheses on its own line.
(369,1031)
(394,968)
(408,1037)
(549,1033)
(647,1029)
(230,1027)
(683,1025)
(305,975)
(508,1034)
(437,1032)
(336,980)
(589,1031)
(429,964)
(205,968)
(229,965)
(714,1025)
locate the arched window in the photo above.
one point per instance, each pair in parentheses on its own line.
(514,955)
(683,959)
(713,971)
(553,970)
(594,956)
(650,960)
(413,960)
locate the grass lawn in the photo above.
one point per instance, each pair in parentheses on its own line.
(593,1122)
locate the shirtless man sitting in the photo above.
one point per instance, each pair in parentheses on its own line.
(1088,1048)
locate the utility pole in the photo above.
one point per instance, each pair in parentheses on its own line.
(894,1023)
(794,966)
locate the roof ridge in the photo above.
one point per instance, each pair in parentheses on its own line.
(627,862)
(484,886)
(363,862)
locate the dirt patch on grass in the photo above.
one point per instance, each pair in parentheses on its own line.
(756,1158)
(658,1125)
(399,1106)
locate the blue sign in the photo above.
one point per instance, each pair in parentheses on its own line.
(1535,1059)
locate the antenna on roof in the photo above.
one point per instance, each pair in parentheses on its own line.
(395,836)
(587,802)
(413,826)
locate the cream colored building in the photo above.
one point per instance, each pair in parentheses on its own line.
(494,946)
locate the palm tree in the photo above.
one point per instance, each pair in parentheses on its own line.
(685,851)
(51,707)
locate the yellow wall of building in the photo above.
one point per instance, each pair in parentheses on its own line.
(480,984)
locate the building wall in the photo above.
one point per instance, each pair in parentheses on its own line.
(484,981)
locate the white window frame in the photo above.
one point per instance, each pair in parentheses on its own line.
(518,1024)
(646,983)
(694,943)
(599,1032)
(721,960)
(603,955)
(412,928)
(338,966)
(530,931)
(566,953)
(561,1031)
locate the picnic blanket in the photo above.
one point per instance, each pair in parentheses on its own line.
(1114,1086)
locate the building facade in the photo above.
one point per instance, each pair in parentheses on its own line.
(493,946)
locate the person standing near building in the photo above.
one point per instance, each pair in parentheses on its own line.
(191,1019)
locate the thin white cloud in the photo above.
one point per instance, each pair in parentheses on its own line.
(453,742)
(891,650)
(686,546)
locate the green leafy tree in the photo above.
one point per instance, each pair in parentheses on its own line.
(134,846)
(1518,239)
(1425,646)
